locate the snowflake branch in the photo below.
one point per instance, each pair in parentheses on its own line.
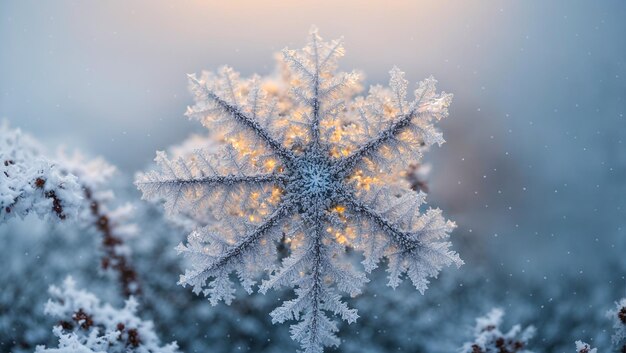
(172,185)
(285,154)
(221,180)
(371,146)
(314,330)
(241,246)
(317,282)
(315,103)
(400,237)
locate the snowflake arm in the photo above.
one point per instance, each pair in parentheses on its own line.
(321,86)
(314,295)
(411,126)
(235,112)
(186,186)
(403,239)
(219,258)
(374,144)
(419,252)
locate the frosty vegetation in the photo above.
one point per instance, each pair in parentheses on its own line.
(65,187)
(307,161)
(32,183)
(88,326)
(618,315)
(488,338)
(582,347)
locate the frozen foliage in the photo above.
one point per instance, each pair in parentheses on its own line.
(32,183)
(34,254)
(87,325)
(618,315)
(489,339)
(582,347)
(306,162)
(65,186)
(113,223)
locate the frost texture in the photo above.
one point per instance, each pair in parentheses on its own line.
(619,324)
(582,347)
(32,183)
(62,187)
(489,339)
(86,325)
(112,223)
(307,164)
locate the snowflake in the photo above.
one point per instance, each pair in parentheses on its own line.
(308,164)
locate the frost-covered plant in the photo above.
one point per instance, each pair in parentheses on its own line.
(32,183)
(489,339)
(582,347)
(618,315)
(113,223)
(61,187)
(34,254)
(309,163)
(417,175)
(87,325)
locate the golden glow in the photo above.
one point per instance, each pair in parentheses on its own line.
(242,147)
(339,209)
(276,194)
(346,237)
(364,182)
(270,164)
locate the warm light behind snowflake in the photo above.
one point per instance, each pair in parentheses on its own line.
(307,161)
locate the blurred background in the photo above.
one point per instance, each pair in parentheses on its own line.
(534,168)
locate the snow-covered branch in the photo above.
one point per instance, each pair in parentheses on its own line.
(618,316)
(66,187)
(86,325)
(32,183)
(489,339)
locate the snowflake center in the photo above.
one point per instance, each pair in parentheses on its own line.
(314,178)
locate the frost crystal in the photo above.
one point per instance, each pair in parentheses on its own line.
(488,338)
(582,347)
(112,224)
(32,183)
(307,163)
(619,324)
(88,326)
(68,186)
